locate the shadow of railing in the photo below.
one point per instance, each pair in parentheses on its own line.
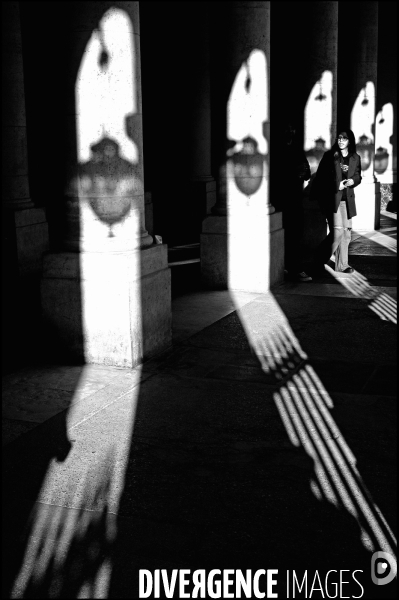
(378,301)
(304,406)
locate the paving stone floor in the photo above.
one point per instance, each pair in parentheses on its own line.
(264,438)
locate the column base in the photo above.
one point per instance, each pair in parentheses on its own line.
(214,253)
(26,231)
(108,308)
(25,240)
(252,260)
(200,196)
(204,191)
(392,205)
(149,213)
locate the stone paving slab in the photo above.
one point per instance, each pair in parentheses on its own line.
(40,394)
(34,403)
(376,267)
(315,288)
(193,312)
(89,378)
(12,429)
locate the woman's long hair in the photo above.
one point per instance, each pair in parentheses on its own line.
(351,147)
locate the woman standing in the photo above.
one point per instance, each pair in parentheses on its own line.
(338,173)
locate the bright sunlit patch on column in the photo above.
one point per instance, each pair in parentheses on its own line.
(110,178)
(110,190)
(105,86)
(247,108)
(318,120)
(362,124)
(247,177)
(383,160)
(304,407)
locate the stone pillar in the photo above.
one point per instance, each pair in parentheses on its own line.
(242,241)
(149,213)
(29,222)
(106,295)
(319,80)
(357,88)
(24,226)
(387,115)
(202,184)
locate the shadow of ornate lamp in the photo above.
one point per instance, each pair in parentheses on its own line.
(381,160)
(365,148)
(248,166)
(108,181)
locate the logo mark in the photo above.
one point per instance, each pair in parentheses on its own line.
(383,568)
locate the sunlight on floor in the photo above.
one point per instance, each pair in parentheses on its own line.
(73,523)
(383,305)
(380,238)
(304,406)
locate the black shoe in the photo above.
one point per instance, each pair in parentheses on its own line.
(300,276)
(348,270)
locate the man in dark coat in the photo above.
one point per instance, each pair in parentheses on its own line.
(296,170)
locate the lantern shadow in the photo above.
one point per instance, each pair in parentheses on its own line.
(109,182)
(248,165)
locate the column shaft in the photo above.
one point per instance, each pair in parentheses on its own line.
(202,185)
(24,226)
(304,92)
(242,241)
(358,37)
(387,115)
(15,183)
(112,289)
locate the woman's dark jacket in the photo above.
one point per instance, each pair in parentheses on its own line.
(325,187)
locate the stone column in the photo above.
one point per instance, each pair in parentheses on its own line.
(106,294)
(320,54)
(202,184)
(357,88)
(27,221)
(242,241)
(387,93)
(24,226)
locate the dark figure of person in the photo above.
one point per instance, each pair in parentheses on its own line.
(338,173)
(296,170)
